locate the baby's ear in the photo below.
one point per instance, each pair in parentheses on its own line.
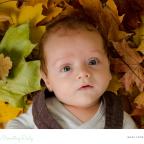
(46,80)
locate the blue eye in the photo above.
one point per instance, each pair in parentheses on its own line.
(66,68)
(93,61)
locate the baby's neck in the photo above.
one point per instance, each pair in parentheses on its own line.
(83,114)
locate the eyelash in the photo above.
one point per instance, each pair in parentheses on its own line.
(67,68)
(96,61)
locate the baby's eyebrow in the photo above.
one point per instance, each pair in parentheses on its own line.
(61,59)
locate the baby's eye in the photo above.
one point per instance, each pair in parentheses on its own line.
(66,68)
(93,61)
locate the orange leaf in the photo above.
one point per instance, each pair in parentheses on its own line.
(139,100)
(135,72)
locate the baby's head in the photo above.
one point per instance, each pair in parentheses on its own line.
(74,62)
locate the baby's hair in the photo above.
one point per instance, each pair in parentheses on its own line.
(72,22)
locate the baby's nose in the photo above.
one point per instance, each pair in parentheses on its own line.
(83,73)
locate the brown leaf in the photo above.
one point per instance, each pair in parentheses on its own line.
(135,72)
(56,12)
(132,10)
(107,20)
(137,112)
(5,66)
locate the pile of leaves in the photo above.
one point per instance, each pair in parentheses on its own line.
(121,21)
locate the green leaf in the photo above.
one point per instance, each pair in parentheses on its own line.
(16,43)
(25,75)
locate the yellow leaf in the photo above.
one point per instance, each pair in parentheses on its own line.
(141,47)
(139,100)
(114,84)
(115,34)
(139,35)
(112,5)
(32,14)
(4,17)
(8,112)
(9,9)
(34,2)
(91,4)
(5,66)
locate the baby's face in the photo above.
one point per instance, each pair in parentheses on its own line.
(78,67)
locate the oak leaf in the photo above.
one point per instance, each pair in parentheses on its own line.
(135,72)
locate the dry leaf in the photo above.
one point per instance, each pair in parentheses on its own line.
(132,10)
(114,84)
(141,47)
(135,72)
(139,100)
(5,66)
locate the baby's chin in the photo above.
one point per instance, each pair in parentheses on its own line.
(83,103)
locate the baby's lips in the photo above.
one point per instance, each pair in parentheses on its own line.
(85,86)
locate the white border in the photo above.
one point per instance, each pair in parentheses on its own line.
(84,136)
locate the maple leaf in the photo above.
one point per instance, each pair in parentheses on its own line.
(5,66)
(32,14)
(13,16)
(25,76)
(135,72)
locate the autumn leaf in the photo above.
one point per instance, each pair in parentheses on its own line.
(141,47)
(55,12)
(114,84)
(132,10)
(107,20)
(32,14)
(8,112)
(8,12)
(51,13)
(25,76)
(11,14)
(139,35)
(135,72)
(139,100)
(5,66)
(30,2)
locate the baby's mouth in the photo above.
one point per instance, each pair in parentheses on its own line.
(84,87)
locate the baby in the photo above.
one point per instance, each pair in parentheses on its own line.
(76,68)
